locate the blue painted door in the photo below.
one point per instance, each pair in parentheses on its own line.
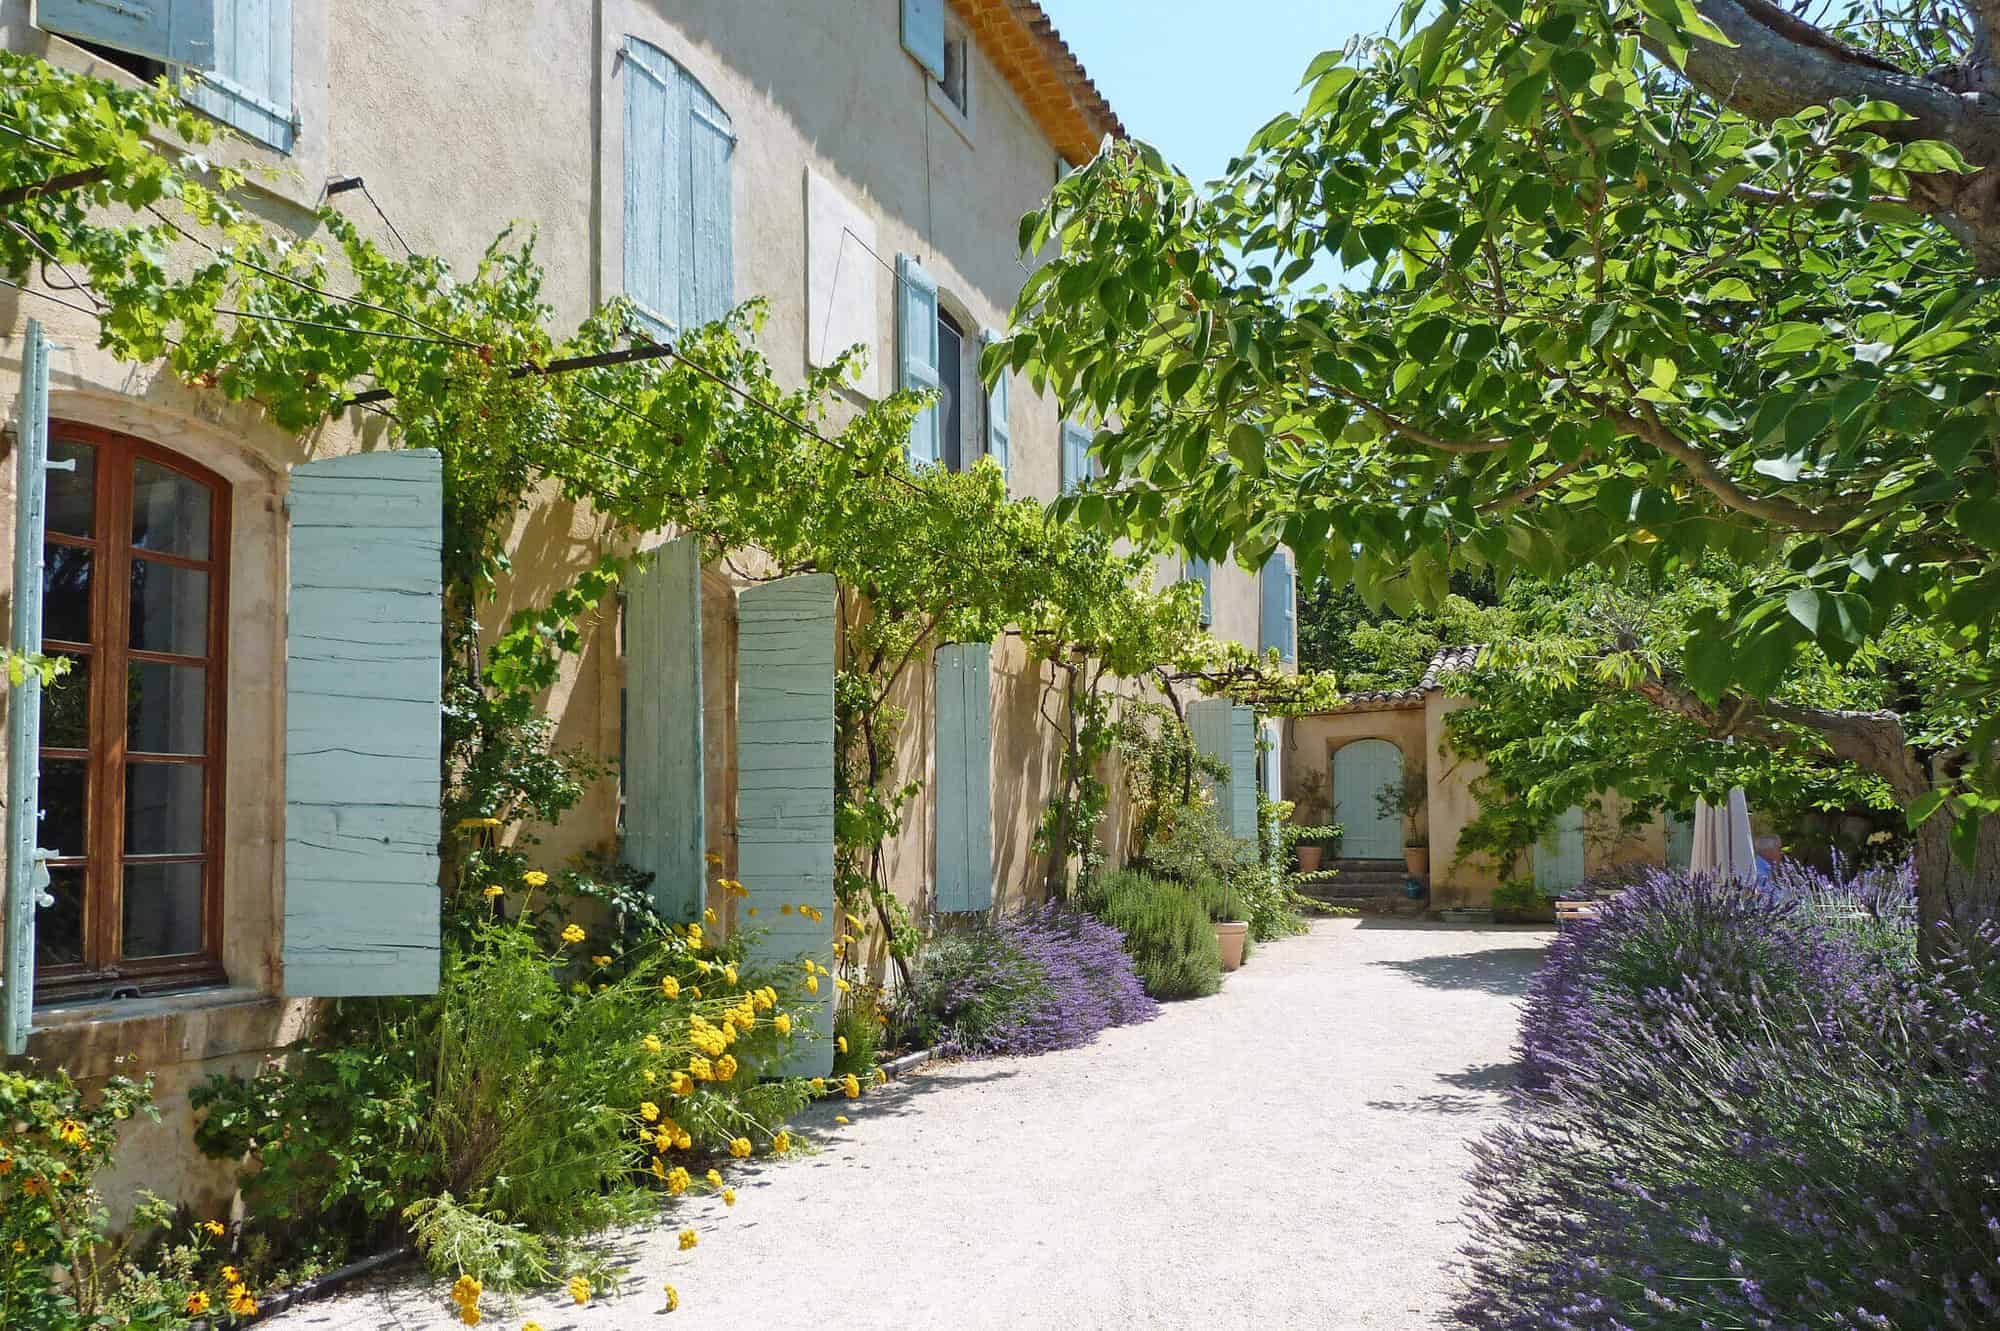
(1361,770)
(666,830)
(1559,854)
(964,777)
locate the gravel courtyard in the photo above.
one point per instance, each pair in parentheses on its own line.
(1288,1153)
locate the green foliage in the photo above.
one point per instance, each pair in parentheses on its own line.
(1167,932)
(857,1029)
(509,1102)
(1517,898)
(1600,319)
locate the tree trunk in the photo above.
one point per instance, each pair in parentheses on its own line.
(1948,891)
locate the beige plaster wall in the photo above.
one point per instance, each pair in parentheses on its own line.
(1313,739)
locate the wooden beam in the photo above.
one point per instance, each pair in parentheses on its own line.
(68,180)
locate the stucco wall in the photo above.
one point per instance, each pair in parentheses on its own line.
(1314,739)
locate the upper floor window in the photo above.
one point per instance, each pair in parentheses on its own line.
(236,53)
(680,266)
(136,561)
(956,81)
(1197,569)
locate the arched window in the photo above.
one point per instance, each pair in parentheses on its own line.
(679,247)
(131,757)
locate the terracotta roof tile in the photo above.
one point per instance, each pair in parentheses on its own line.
(1447,660)
(1039,65)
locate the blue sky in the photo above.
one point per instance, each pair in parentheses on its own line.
(1195,78)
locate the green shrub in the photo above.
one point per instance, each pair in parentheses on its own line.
(1222,902)
(1517,899)
(1167,932)
(857,1030)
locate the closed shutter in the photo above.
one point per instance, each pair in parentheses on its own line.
(180,32)
(27,878)
(923,33)
(708,283)
(1075,456)
(363,668)
(999,432)
(784,785)
(666,829)
(1228,731)
(1274,620)
(1558,857)
(964,780)
(250,88)
(917,348)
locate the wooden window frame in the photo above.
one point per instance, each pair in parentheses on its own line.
(103,972)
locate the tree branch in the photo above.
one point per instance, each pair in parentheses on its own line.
(1533,488)
(68,180)
(1416,434)
(1768,508)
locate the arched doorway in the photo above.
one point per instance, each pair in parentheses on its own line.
(1361,770)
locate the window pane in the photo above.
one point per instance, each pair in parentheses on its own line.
(66,708)
(59,928)
(65,784)
(950,420)
(163,808)
(169,511)
(72,494)
(169,608)
(162,909)
(165,708)
(66,594)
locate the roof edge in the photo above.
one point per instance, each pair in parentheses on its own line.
(1044,72)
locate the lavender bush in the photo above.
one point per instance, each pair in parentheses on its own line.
(1670,940)
(1819,1152)
(1045,979)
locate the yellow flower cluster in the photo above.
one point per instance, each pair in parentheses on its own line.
(72,1133)
(740,1148)
(465,1293)
(731,887)
(764,999)
(673,1301)
(688,1239)
(782,1023)
(694,935)
(781,1143)
(573,934)
(214,1228)
(197,1303)
(238,1300)
(670,986)
(579,1289)
(493,890)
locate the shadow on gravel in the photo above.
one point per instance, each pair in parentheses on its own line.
(1489,1077)
(1503,970)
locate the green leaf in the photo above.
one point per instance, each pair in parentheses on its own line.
(1523,95)
(1923,806)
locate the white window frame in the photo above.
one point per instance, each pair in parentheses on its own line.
(960,118)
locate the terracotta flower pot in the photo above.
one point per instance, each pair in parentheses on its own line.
(1418,859)
(1229,936)
(1309,858)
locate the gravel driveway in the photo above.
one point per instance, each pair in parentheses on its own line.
(1286,1154)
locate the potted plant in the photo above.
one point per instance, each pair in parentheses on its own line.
(1406,799)
(1311,838)
(1230,916)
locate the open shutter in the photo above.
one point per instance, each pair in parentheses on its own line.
(1075,456)
(1197,569)
(999,432)
(1288,647)
(180,32)
(1274,619)
(964,780)
(923,33)
(1228,731)
(708,281)
(784,784)
(655,211)
(917,345)
(250,88)
(666,829)
(27,878)
(363,667)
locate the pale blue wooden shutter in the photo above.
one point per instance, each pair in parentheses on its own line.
(666,829)
(27,878)
(656,229)
(1275,615)
(708,280)
(180,32)
(1272,751)
(917,346)
(999,431)
(923,33)
(1075,456)
(1228,731)
(363,668)
(964,779)
(1196,569)
(250,88)
(1680,841)
(784,783)
(1558,857)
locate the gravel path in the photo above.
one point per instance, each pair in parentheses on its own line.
(1286,1154)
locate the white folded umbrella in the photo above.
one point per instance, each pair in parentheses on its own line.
(1722,844)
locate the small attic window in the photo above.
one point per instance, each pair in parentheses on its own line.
(956,80)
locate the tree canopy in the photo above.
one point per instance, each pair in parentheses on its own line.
(1626,295)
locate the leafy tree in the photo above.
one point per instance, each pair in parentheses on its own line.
(1642,282)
